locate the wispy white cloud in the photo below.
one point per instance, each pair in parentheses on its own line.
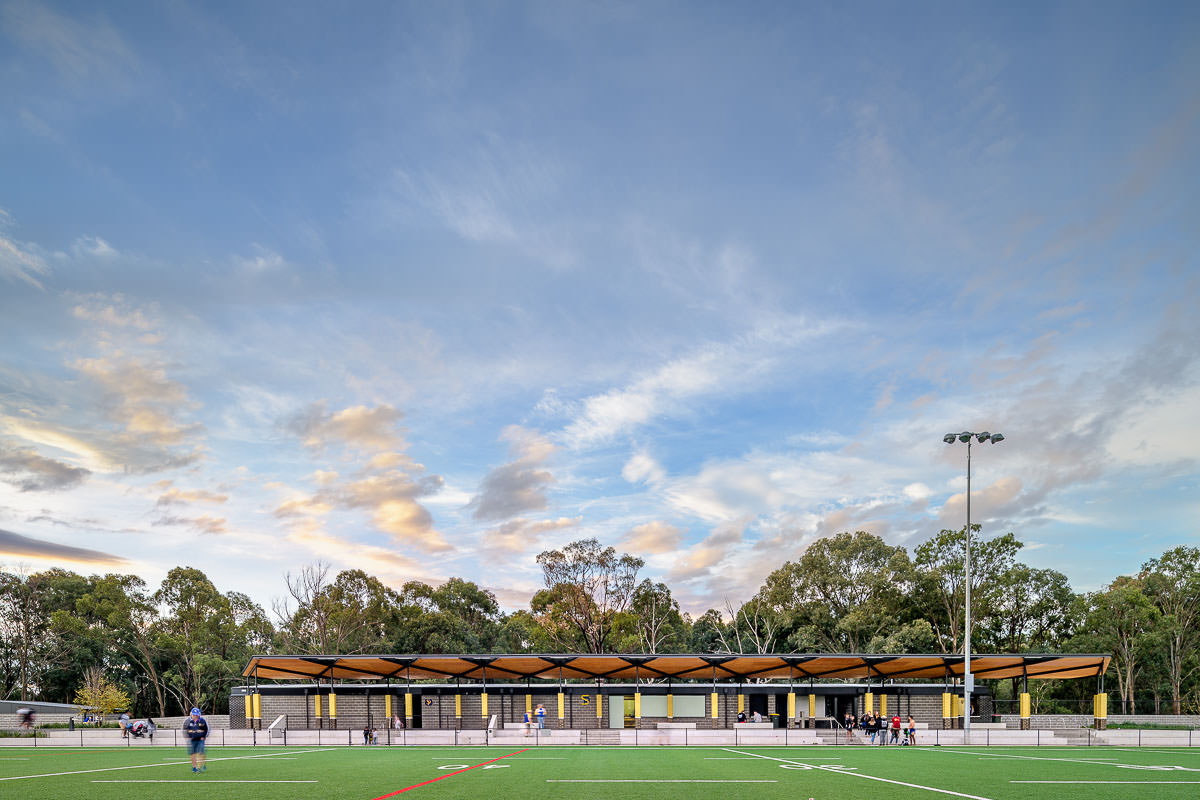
(30,471)
(15,545)
(519,485)
(78,48)
(20,261)
(734,366)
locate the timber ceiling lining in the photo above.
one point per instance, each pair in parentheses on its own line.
(679,667)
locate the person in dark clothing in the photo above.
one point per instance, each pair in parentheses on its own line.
(195,728)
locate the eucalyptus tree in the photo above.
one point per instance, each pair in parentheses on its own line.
(351,613)
(843,593)
(1172,582)
(37,658)
(456,617)
(1121,620)
(587,587)
(119,607)
(941,579)
(206,637)
(1026,610)
(658,626)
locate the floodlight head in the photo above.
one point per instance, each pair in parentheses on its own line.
(997,438)
(965,436)
(983,437)
(948,438)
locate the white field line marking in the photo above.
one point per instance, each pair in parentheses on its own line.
(145,766)
(1118,783)
(840,771)
(200,780)
(646,780)
(732,758)
(1195,751)
(1082,760)
(1147,767)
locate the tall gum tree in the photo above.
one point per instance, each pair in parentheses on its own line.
(587,586)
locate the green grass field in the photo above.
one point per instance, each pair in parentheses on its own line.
(645,773)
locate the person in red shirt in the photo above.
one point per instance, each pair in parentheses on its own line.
(896,729)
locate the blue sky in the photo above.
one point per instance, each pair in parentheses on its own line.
(426,289)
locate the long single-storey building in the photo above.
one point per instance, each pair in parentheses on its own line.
(465,692)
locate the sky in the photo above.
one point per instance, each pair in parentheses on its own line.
(426,289)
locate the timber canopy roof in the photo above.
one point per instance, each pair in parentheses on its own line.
(707,667)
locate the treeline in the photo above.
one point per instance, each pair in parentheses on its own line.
(185,643)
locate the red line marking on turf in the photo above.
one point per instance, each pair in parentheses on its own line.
(447,775)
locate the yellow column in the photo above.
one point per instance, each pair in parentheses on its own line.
(529,703)
(883,705)
(458,706)
(249,713)
(869,703)
(407,708)
(812,706)
(791,708)
(317,706)
(946,709)
(741,703)
(1100,704)
(332,707)
(387,708)
(670,706)
(562,706)
(483,704)
(256,709)
(599,706)
(713,700)
(1025,709)
(637,705)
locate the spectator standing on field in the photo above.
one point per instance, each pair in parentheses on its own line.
(896,729)
(123,721)
(195,728)
(541,715)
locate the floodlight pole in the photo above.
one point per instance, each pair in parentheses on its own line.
(968,678)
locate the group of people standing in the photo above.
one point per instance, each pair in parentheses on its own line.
(878,726)
(535,718)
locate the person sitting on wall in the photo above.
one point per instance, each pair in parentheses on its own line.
(741,717)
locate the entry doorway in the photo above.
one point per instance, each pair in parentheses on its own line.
(836,706)
(757,702)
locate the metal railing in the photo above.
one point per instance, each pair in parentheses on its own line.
(630,737)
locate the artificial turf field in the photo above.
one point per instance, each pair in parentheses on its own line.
(611,773)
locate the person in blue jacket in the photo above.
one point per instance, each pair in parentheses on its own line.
(195,728)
